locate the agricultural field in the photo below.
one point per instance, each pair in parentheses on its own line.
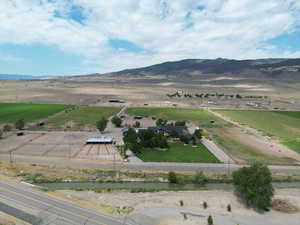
(282,124)
(11,112)
(179,152)
(197,115)
(82,117)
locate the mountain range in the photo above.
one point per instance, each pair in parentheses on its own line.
(257,68)
(18,77)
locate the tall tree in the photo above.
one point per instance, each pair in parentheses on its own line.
(101,124)
(254,185)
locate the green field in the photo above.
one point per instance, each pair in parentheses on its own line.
(282,124)
(199,115)
(179,152)
(85,115)
(11,112)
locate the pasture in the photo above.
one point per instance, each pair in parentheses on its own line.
(282,124)
(197,115)
(11,112)
(179,152)
(83,116)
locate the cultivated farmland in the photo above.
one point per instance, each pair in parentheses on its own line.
(82,117)
(282,124)
(11,112)
(198,115)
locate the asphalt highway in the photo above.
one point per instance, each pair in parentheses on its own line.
(50,210)
(205,167)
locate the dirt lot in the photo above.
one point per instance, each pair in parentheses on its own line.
(58,145)
(163,208)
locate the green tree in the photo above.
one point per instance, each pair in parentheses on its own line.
(117,121)
(199,178)
(101,124)
(20,124)
(254,185)
(198,133)
(137,124)
(210,220)
(130,139)
(172,177)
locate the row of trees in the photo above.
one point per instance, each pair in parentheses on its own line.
(102,123)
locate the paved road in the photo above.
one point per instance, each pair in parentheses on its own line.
(52,211)
(206,167)
(218,152)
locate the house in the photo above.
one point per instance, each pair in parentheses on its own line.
(169,129)
(100,140)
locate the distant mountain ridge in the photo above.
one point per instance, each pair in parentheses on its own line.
(18,77)
(254,68)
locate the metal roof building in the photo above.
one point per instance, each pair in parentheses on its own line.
(99,140)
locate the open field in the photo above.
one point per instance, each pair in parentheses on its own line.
(163,208)
(284,125)
(83,117)
(198,115)
(179,153)
(67,145)
(11,112)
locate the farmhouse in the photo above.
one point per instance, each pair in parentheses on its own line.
(169,129)
(100,140)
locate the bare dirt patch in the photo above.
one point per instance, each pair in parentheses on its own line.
(284,206)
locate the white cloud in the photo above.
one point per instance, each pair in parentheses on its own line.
(171,29)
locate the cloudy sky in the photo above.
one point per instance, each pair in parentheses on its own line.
(61,37)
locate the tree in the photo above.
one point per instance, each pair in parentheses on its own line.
(20,124)
(199,178)
(180,123)
(137,124)
(184,139)
(198,133)
(254,185)
(1,133)
(172,177)
(210,220)
(130,139)
(101,124)
(161,122)
(117,121)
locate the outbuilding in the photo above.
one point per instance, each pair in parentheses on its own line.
(100,140)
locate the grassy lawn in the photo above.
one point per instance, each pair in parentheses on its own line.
(83,116)
(179,153)
(285,125)
(11,112)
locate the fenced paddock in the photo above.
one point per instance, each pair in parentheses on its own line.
(58,144)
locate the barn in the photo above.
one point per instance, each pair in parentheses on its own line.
(100,140)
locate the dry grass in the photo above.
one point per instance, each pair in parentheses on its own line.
(284,206)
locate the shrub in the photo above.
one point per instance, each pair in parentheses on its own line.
(254,185)
(161,122)
(172,177)
(199,178)
(7,128)
(184,216)
(229,208)
(1,133)
(101,124)
(210,220)
(205,205)
(117,121)
(20,124)
(181,203)
(184,139)
(180,123)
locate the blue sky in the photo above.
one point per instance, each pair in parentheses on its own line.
(67,37)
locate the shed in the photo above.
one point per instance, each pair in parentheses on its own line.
(100,140)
